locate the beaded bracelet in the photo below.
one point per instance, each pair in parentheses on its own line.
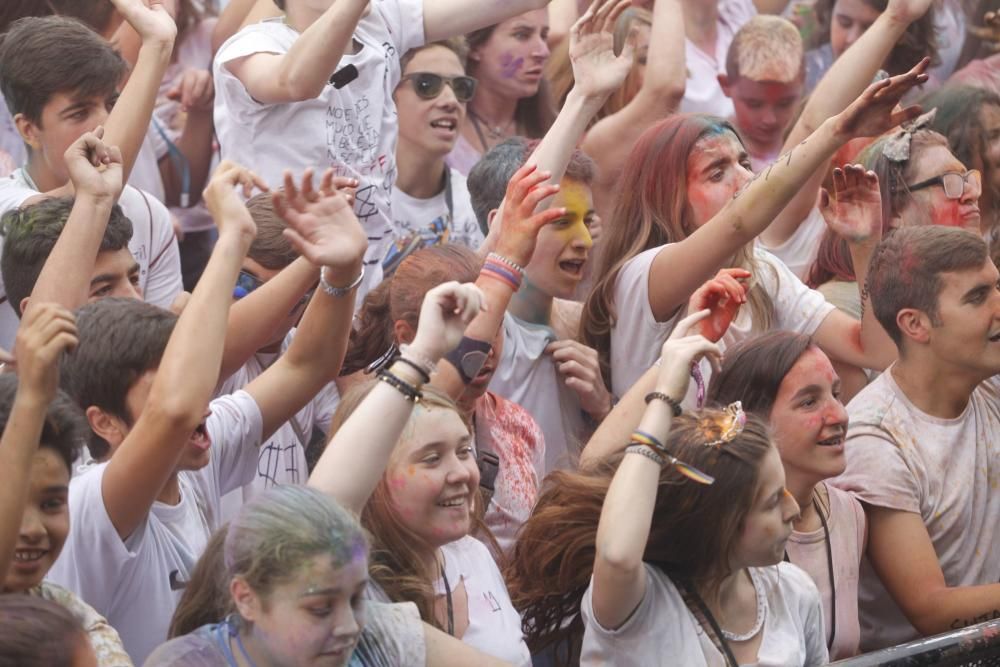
(660,396)
(506,262)
(409,392)
(420,371)
(642,450)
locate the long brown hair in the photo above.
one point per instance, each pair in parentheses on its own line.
(400,298)
(206,597)
(651,211)
(694,531)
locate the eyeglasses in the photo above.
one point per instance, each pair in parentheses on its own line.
(428,86)
(247,282)
(953,182)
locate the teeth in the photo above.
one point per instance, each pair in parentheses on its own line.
(447,124)
(28,556)
(453,503)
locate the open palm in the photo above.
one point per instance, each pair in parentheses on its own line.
(322,226)
(597,71)
(854,212)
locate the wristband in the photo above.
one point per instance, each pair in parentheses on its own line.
(468,358)
(409,392)
(501,273)
(339,291)
(517,268)
(660,396)
(650,454)
(417,360)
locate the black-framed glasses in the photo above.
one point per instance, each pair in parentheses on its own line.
(428,85)
(247,282)
(953,182)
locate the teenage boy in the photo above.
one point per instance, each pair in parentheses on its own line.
(60,80)
(314,87)
(923,447)
(765,79)
(145,378)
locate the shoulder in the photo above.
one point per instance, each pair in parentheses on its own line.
(268,36)
(197,649)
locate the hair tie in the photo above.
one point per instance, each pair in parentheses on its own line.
(733,423)
(896,146)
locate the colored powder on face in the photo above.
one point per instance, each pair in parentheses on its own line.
(509,65)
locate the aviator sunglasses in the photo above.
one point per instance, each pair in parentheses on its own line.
(428,86)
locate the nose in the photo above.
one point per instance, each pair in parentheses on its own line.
(853,34)
(769,117)
(792,511)
(461,472)
(129,291)
(32,529)
(582,239)
(541,49)
(972,189)
(837,414)
(345,623)
(447,99)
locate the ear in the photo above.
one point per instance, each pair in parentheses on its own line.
(28,130)
(724,84)
(24,305)
(109,427)
(403,332)
(246,600)
(915,325)
(490,217)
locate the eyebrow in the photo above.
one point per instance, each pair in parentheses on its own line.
(811,389)
(464,440)
(76,106)
(59,488)
(977,291)
(310,592)
(714,164)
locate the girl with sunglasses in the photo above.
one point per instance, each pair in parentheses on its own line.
(430,202)
(674,547)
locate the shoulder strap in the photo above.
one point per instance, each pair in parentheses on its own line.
(700,611)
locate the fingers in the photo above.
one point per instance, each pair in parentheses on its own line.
(546,217)
(612,17)
(685,325)
(536,196)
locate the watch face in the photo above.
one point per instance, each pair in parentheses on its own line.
(472,363)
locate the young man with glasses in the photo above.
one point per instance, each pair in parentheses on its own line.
(430,201)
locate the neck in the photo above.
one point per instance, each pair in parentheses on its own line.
(170,494)
(418,174)
(531,304)
(803,491)
(253,649)
(493,107)
(44,180)
(701,21)
(936,390)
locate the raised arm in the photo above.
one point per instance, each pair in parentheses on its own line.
(619,583)
(916,582)
(95,170)
(611,139)
(230,20)
(847,78)
(189,370)
(303,72)
(44,334)
(854,212)
(450,18)
(679,268)
(346,470)
(322,227)
(190,168)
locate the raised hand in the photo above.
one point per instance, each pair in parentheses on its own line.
(989,32)
(322,226)
(908,11)
(194,91)
(680,351)
(519,224)
(854,210)
(876,111)
(94,167)
(224,203)
(597,71)
(46,331)
(345,185)
(581,371)
(149,18)
(446,312)
(722,296)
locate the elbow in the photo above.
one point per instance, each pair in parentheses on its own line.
(669,93)
(612,558)
(299,86)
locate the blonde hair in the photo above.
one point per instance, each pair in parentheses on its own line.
(766,48)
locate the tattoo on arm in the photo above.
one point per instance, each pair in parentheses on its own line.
(959,623)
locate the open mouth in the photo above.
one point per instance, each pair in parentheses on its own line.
(832,442)
(29,555)
(995,338)
(454,502)
(573,266)
(449,124)
(200,438)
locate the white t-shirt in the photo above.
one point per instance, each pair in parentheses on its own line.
(799,250)
(153,245)
(136,583)
(494,624)
(702,92)
(944,470)
(282,458)
(529,377)
(10,139)
(433,221)
(637,337)
(662,631)
(353,129)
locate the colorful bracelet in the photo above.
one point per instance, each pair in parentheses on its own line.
(660,396)
(409,392)
(642,450)
(643,438)
(517,268)
(501,273)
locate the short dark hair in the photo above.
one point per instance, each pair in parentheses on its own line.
(95,13)
(63,429)
(120,340)
(905,271)
(43,56)
(36,632)
(270,248)
(488,179)
(30,234)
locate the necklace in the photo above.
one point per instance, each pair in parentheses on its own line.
(495,132)
(761,614)
(829,565)
(448,602)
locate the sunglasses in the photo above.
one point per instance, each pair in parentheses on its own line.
(247,282)
(953,182)
(428,86)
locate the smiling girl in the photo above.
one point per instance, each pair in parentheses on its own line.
(785,379)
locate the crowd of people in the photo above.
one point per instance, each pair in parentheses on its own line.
(466,332)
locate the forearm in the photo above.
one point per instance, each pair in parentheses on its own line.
(65,277)
(18,445)
(195,145)
(450,18)
(129,120)
(356,456)
(254,319)
(950,609)
(613,433)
